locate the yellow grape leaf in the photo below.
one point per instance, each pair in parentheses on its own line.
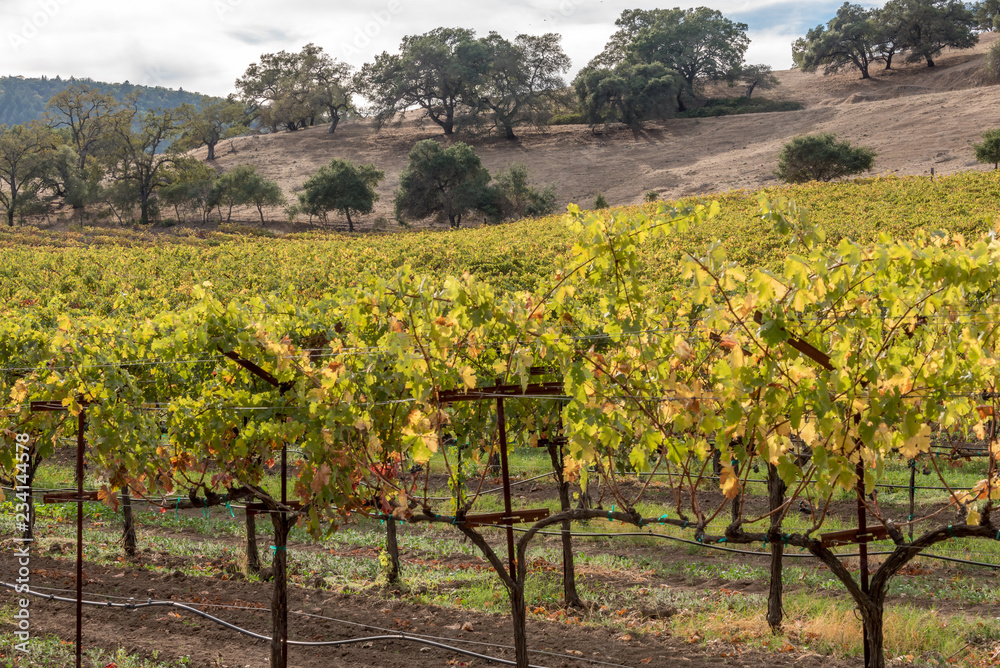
(729,482)
(980,431)
(807,432)
(683,349)
(921,442)
(20,391)
(469,377)
(736,359)
(425,448)
(973,517)
(776,446)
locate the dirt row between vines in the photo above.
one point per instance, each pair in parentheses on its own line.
(176,633)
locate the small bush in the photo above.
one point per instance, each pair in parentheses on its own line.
(732,106)
(821,158)
(993,61)
(989,150)
(573,118)
(652,196)
(600,202)
(512,196)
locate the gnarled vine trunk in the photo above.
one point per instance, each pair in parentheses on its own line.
(279,596)
(392,549)
(570,595)
(253,556)
(128,531)
(776,497)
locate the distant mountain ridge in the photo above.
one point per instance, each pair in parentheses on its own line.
(23,99)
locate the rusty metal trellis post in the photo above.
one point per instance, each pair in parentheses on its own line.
(863,550)
(284,528)
(55,407)
(499,391)
(505,468)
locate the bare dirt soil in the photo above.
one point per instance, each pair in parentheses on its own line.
(915,118)
(338,616)
(177,633)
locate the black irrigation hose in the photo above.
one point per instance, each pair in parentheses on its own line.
(651,534)
(364,626)
(258,636)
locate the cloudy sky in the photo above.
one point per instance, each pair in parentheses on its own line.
(203,45)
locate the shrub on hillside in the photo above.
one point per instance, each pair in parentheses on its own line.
(993,61)
(600,202)
(821,158)
(740,105)
(512,196)
(989,150)
(572,118)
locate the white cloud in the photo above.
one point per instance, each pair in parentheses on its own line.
(204,45)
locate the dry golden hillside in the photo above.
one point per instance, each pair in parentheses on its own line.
(914,117)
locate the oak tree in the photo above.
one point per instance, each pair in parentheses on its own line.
(848,39)
(699,44)
(432,71)
(341,186)
(445,181)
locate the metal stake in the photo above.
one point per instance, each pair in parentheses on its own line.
(81,420)
(863,549)
(284,529)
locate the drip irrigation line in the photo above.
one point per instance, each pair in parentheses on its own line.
(470,642)
(345,622)
(495,489)
(258,636)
